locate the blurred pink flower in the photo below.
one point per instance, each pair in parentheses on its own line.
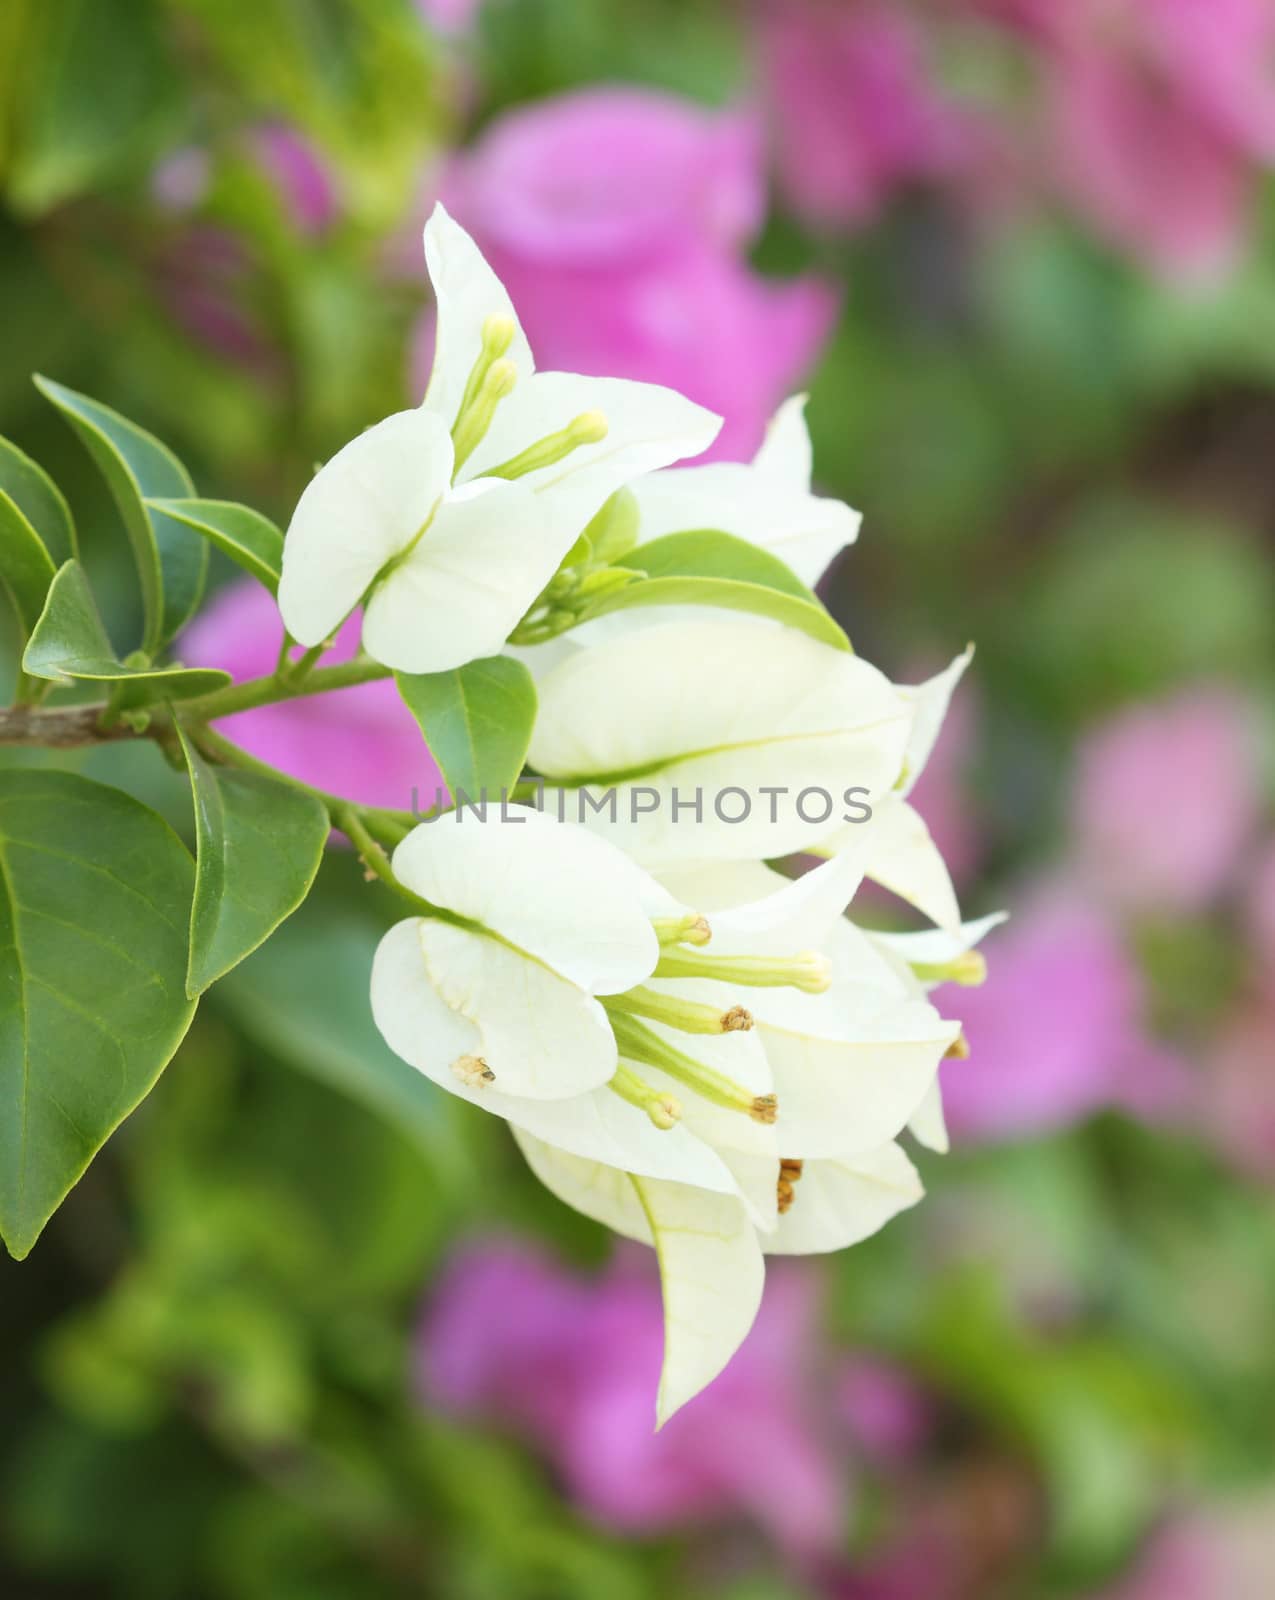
(1166,801)
(300,175)
(1160,111)
(618,220)
(360,742)
(1261,919)
(571,1363)
(449,16)
(856,113)
(1237,1091)
(887,1415)
(1225,1552)
(1056,1033)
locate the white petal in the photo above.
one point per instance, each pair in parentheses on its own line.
(711,1265)
(600,1126)
(838,1202)
(934,946)
(711,1273)
(541,1035)
(930,701)
(648,426)
(720,705)
(650,698)
(461,592)
(719,885)
(928,1125)
(800,914)
(847,1079)
(904,858)
(785,455)
(554,890)
(803,530)
(467,292)
(606,1194)
(360,510)
(440,993)
(414,1020)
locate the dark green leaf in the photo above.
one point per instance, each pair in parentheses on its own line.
(40,501)
(171,559)
(25,566)
(239,532)
(94,904)
(709,568)
(70,641)
(476,720)
(260,843)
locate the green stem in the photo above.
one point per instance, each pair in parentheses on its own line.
(296,675)
(374,857)
(269,691)
(395,824)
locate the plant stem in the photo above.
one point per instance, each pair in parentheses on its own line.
(268,691)
(379,818)
(58,727)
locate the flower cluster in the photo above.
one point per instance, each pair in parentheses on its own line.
(693,1048)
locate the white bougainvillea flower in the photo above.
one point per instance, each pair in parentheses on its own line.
(851,1063)
(449,520)
(687,1144)
(746,713)
(903,856)
(533,921)
(768,501)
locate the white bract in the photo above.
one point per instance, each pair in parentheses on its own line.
(733,707)
(902,855)
(768,501)
(449,520)
(718,1092)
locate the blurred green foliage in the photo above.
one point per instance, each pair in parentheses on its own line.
(206,1365)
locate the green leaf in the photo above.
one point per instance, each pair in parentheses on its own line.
(238,531)
(476,720)
(171,560)
(69,640)
(94,902)
(26,567)
(709,568)
(709,553)
(34,523)
(39,500)
(260,843)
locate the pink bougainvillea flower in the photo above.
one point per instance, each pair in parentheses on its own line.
(618,220)
(856,113)
(569,1363)
(1223,1552)
(301,177)
(360,742)
(449,16)
(887,1415)
(1059,1034)
(1237,1094)
(1166,801)
(1261,919)
(1161,111)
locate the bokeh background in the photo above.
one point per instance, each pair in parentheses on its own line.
(308,1331)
